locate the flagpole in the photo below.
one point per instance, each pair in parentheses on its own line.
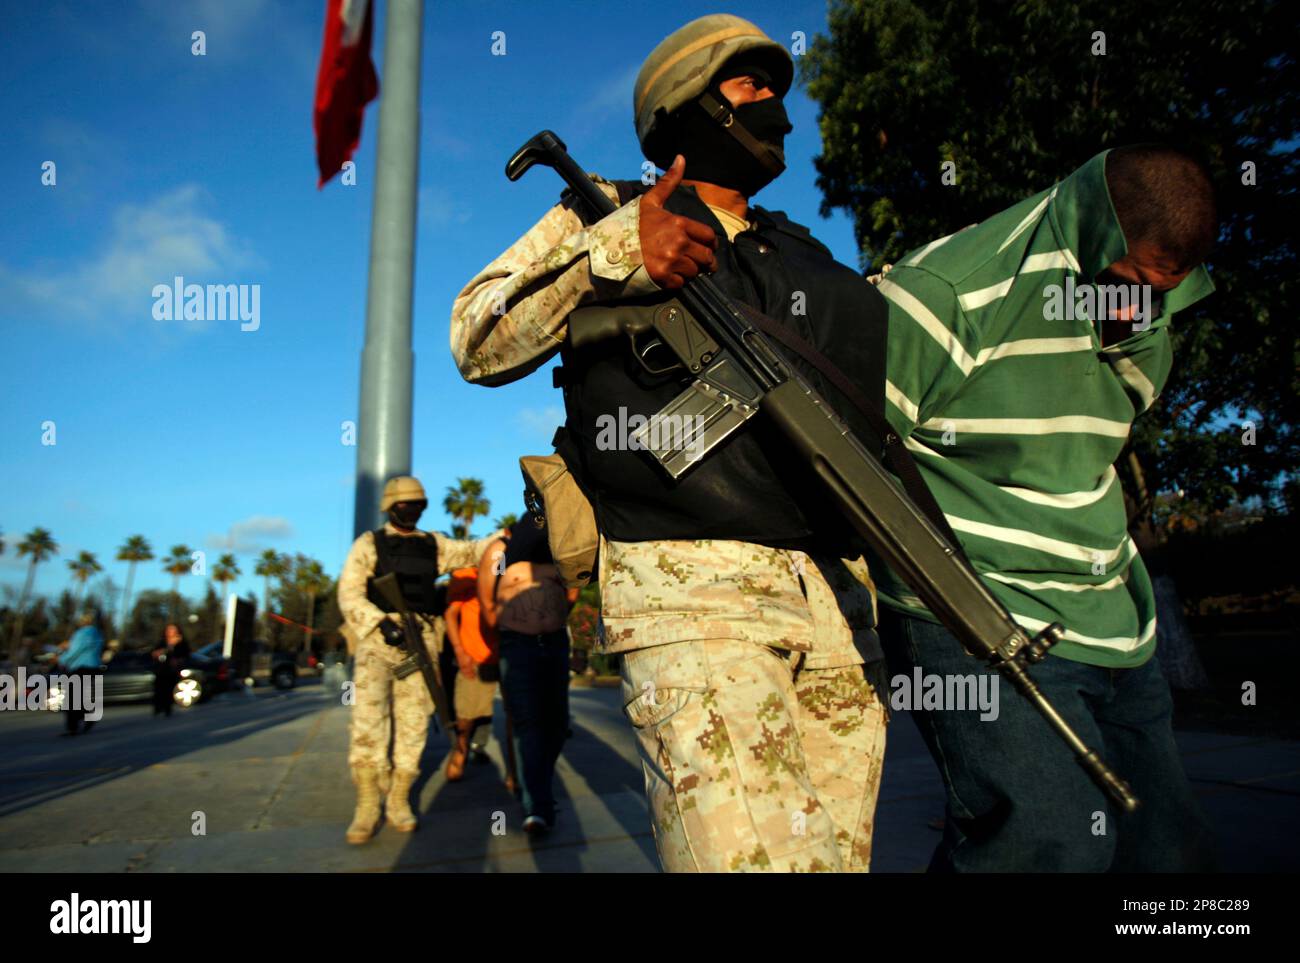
(387,361)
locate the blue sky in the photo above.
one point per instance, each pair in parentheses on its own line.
(170,164)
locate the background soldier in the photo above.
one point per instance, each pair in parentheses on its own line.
(743,623)
(417,558)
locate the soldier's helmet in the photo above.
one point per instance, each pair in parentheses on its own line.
(403,488)
(686,61)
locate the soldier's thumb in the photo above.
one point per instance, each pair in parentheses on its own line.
(667,183)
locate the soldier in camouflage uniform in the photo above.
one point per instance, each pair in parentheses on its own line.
(382,701)
(751,667)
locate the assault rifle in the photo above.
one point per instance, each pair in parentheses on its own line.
(417,656)
(737,371)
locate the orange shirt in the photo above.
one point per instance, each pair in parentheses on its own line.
(464,589)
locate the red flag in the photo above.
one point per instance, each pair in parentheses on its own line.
(345,83)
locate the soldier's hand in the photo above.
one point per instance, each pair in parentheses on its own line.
(392,632)
(674,248)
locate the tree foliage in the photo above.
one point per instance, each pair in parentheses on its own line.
(152,610)
(464,502)
(1016,96)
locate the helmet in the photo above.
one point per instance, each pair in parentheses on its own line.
(403,488)
(686,61)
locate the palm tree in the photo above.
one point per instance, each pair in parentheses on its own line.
(178,563)
(226,570)
(310,579)
(135,549)
(270,564)
(39,544)
(465,502)
(506,520)
(83,567)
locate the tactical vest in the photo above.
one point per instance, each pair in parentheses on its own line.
(414,560)
(752,488)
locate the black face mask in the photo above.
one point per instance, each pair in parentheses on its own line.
(713,155)
(404,515)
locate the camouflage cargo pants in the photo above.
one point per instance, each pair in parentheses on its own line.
(386,707)
(751,763)
(761,731)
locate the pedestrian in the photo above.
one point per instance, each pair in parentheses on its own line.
(524,601)
(476,673)
(1021,350)
(385,707)
(169,660)
(743,612)
(81,659)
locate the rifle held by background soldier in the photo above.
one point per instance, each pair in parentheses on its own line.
(417,656)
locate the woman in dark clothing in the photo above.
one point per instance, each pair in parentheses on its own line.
(168,660)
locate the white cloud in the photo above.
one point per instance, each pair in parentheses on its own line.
(540,421)
(277,44)
(12,560)
(440,208)
(227,20)
(251,535)
(147,244)
(613,97)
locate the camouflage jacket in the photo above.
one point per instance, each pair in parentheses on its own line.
(511,316)
(508,320)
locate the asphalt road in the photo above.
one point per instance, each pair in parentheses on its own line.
(258,782)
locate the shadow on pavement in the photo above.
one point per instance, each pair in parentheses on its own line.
(46,767)
(461,823)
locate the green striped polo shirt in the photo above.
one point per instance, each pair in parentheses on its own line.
(1016,413)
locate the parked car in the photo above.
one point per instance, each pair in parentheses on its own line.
(129,675)
(274,666)
(218,672)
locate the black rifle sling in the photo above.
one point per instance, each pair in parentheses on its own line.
(896,455)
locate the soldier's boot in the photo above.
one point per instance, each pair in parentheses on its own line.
(398,806)
(460,751)
(366,818)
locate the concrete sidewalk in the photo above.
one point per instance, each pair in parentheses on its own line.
(269,777)
(266,774)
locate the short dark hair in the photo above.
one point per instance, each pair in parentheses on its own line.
(1163,196)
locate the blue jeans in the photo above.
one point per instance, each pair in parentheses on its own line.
(1017,799)
(535,688)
